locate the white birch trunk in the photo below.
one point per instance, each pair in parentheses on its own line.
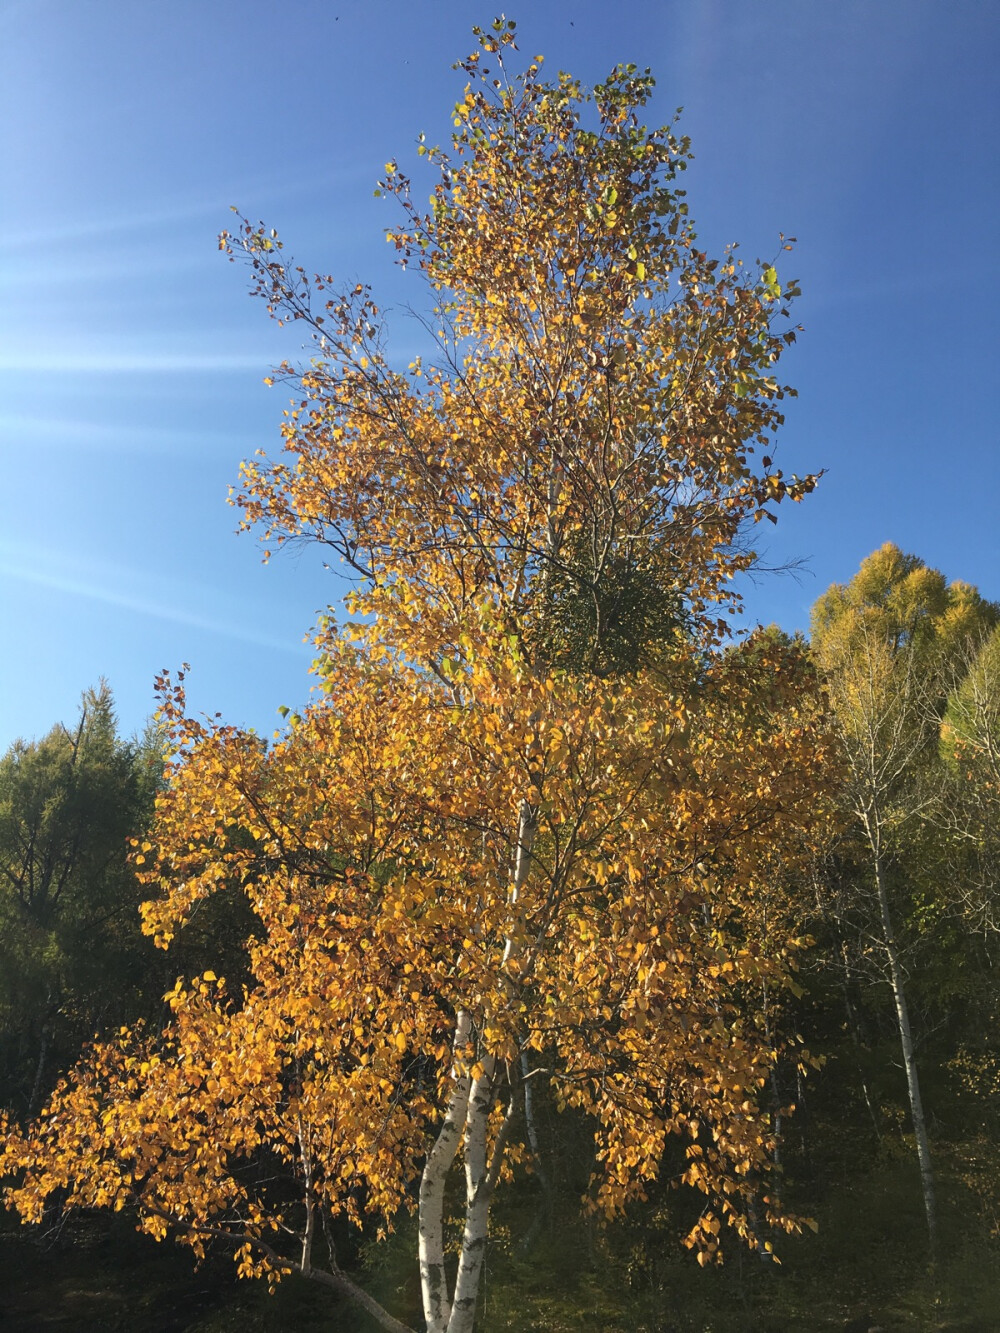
(433,1278)
(909,1058)
(477,1202)
(467,1121)
(481,1176)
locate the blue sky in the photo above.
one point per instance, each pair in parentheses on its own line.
(131,359)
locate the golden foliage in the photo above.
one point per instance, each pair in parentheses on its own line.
(601,387)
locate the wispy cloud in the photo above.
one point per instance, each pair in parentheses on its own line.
(96,591)
(79,433)
(212,205)
(126,363)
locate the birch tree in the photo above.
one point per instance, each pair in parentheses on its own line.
(888,643)
(520,833)
(970,749)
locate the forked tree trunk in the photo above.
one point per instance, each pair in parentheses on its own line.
(466,1121)
(433,1278)
(478,1193)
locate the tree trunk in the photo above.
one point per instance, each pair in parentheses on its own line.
(36,1088)
(909,1057)
(433,1278)
(544,1213)
(467,1120)
(478,1192)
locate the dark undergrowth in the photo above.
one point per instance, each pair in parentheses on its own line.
(847,1162)
(865,1270)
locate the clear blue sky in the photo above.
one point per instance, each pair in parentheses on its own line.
(131,359)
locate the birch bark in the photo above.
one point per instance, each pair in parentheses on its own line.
(466,1121)
(477,1202)
(909,1056)
(433,1278)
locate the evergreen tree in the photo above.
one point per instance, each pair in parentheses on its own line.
(73,959)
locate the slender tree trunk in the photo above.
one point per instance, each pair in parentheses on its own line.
(544,1213)
(36,1087)
(909,1057)
(466,1121)
(477,1203)
(433,1278)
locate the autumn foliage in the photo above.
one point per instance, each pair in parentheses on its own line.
(529,831)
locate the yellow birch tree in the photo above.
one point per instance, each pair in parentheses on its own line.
(888,644)
(521,834)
